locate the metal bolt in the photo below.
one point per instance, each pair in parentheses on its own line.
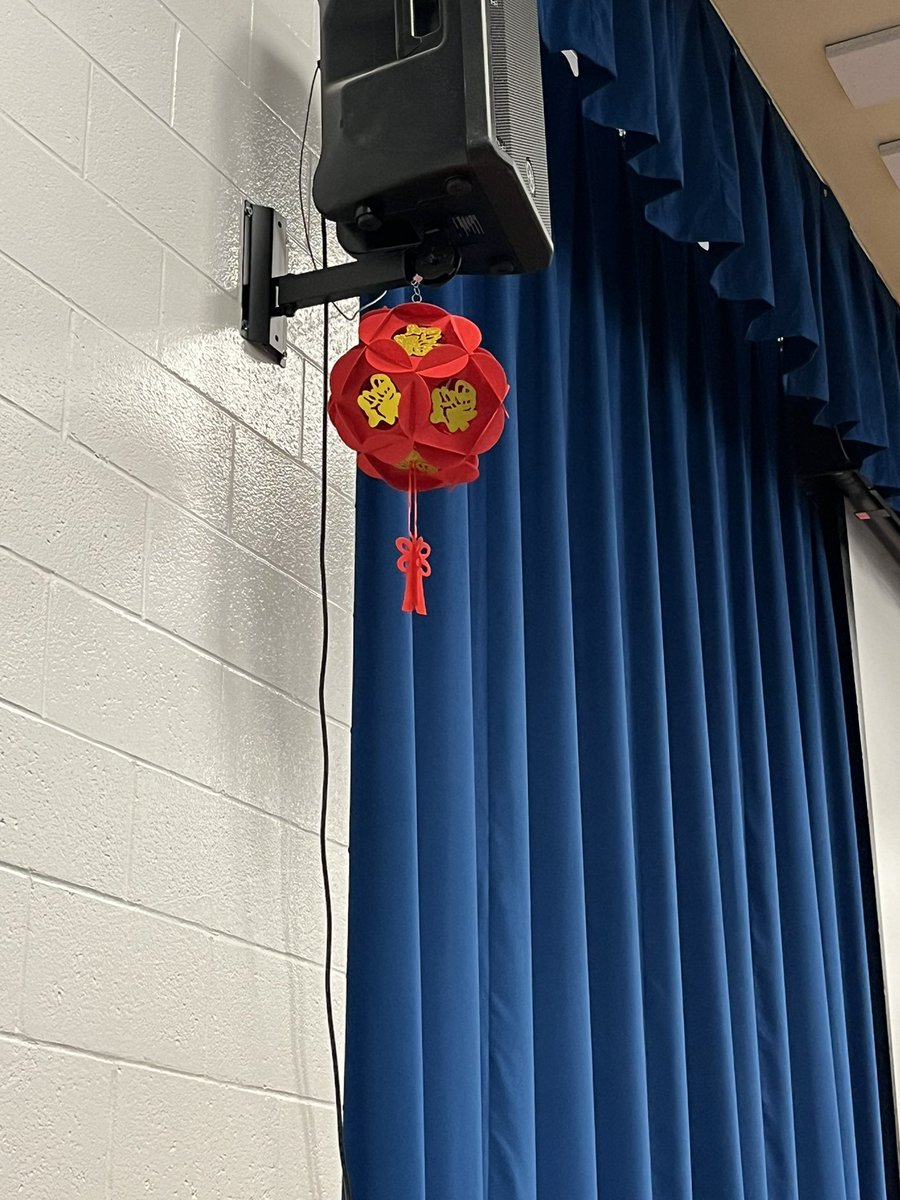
(284,360)
(456,185)
(245,325)
(367,219)
(248,208)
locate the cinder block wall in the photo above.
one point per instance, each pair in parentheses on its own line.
(162,1029)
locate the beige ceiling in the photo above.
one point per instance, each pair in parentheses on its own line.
(785,40)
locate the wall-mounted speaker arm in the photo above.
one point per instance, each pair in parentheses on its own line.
(269,295)
(375,272)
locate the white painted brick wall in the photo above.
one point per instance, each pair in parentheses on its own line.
(162,1029)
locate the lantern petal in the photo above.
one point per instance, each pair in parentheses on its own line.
(397,451)
(344,428)
(442,361)
(464,472)
(485,384)
(357,434)
(372,468)
(493,372)
(490,432)
(398,477)
(467,332)
(372,324)
(417,409)
(386,355)
(418,312)
(344,368)
(442,457)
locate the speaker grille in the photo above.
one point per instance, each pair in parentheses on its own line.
(517,102)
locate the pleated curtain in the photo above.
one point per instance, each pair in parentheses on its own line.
(607,932)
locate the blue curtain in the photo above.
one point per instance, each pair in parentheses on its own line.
(607,933)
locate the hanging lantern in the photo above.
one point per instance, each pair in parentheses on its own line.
(418,399)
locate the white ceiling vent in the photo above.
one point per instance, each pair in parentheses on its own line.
(890,152)
(868,67)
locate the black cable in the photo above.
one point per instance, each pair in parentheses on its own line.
(303,218)
(323,824)
(309,98)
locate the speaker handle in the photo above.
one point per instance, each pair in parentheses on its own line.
(419,25)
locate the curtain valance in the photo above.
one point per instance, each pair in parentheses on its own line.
(716,164)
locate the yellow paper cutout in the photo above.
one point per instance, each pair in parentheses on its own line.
(414,461)
(418,340)
(454,406)
(380,401)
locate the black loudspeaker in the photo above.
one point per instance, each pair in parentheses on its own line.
(433,131)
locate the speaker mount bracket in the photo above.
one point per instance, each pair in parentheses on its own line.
(269,294)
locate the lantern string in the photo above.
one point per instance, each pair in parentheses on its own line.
(412,504)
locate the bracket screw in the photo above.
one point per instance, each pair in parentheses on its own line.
(248,209)
(245,325)
(456,185)
(367,220)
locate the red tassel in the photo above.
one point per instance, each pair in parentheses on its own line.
(413,561)
(414,552)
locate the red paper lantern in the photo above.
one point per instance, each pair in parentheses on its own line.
(419,400)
